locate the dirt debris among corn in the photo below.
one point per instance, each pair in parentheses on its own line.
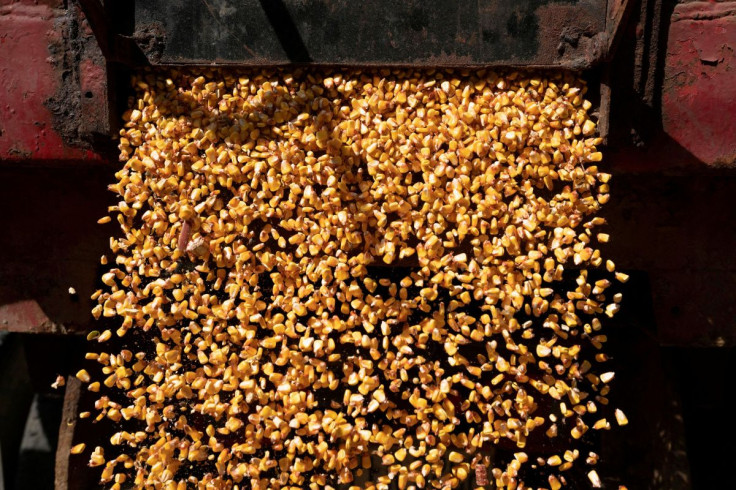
(345,279)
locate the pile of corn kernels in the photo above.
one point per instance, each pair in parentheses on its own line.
(355,279)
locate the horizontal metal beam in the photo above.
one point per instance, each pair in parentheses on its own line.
(422,33)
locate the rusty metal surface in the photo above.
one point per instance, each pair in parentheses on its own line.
(54,99)
(699,88)
(69,417)
(560,33)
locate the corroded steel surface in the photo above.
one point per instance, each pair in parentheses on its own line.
(67,428)
(54,85)
(567,33)
(699,89)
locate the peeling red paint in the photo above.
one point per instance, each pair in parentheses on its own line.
(49,3)
(29,78)
(699,90)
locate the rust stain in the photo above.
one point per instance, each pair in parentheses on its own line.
(699,87)
(72,50)
(577,34)
(696,11)
(151,39)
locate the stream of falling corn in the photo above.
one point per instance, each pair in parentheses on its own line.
(354,279)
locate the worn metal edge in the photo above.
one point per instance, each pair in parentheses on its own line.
(66,432)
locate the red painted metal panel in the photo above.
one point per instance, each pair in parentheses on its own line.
(50,3)
(699,90)
(30,75)
(26,316)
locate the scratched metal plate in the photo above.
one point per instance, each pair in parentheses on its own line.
(433,33)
